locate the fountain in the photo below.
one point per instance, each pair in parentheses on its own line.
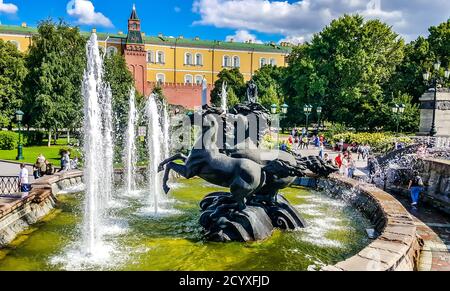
(129,151)
(157,147)
(97,147)
(223,97)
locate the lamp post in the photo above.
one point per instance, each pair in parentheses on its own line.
(435,77)
(284,109)
(307,110)
(19,116)
(319,112)
(398,110)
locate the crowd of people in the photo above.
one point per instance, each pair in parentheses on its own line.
(43,167)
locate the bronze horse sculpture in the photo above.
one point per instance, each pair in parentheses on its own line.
(254,177)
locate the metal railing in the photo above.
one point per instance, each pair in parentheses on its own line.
(9,185)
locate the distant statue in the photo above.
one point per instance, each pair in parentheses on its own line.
(252,92)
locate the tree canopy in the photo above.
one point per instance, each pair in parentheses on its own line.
(345,68)
(12,75)
(234,80)
(56,61)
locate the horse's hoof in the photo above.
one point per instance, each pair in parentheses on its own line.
(166,189)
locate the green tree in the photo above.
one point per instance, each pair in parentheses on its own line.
(232,99)
(270,97)
(346,67)
(408,76)
(269,80)
(121,81)
(234,79)
(12,75)
(439,40)
(56,61)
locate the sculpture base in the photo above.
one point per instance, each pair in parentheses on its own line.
(223,222)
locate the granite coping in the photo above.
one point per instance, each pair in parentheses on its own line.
(41,189)
(398,245)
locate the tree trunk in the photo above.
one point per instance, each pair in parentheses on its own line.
(55,137)
(49,137)
(68,136)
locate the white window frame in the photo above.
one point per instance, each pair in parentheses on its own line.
(199,59)
(188,58)
(198,77)
(163,57)
(226,63)
(151,57)
(111,50)
(238,62)
(186,77)
(262,62)
(273,62)
(163,78)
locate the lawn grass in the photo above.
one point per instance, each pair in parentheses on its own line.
(31,153)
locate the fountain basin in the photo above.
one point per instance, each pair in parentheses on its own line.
(141,241)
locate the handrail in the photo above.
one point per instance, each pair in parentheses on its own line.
(9,185)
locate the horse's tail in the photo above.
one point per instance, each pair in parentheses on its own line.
(283,169)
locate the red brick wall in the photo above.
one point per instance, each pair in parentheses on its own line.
(137,64)
(188,96)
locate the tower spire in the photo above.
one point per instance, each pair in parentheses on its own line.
(133,13)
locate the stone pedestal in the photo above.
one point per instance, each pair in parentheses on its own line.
(442,121)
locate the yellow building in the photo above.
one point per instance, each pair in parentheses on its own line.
(177,60)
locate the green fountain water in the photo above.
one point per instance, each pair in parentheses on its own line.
(138,242)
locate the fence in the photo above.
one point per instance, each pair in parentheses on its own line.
(9,185)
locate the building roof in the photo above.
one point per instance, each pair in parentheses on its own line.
(170,41)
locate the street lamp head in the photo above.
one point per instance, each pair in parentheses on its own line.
(319,109)
(19,115)
(401,108)
(273,108)
(426,76)
(437,65)
(395,108)
(284,108)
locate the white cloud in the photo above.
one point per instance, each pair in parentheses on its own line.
(177,9)
(300,20)
(8,8)
(294,39)
(242,35)
(85,13)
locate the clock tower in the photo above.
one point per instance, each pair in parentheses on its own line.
(135,54)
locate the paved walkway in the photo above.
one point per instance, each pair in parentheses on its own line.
(12,169)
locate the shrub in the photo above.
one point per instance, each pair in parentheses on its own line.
(8,140)
(379,142)
(34,138)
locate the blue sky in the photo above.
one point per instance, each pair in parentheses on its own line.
(259,20)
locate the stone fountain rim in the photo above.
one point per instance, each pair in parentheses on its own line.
(398,245)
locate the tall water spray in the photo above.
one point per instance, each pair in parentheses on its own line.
(155,147)
(108,142)
(223,97)
(129,153)
(165,127)
(97,159)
